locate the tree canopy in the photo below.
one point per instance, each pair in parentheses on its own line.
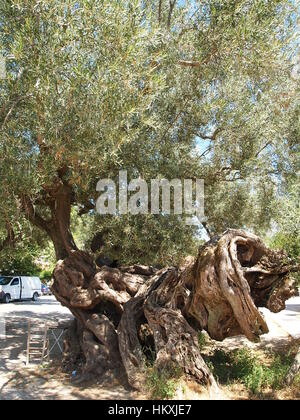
(161,89)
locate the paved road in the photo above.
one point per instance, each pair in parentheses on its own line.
(13,326)
(283,326)
(20,383)
(285,322)
(45,308)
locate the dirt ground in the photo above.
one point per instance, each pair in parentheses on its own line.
(48,381)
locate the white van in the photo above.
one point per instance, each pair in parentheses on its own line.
(19,288)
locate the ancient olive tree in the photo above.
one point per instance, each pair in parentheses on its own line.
(163,90)
(124,310)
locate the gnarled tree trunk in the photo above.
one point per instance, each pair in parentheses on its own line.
(57,198)
(125,311)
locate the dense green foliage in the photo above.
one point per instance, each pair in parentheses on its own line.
(288,221)
(94,87)
(146,239)
(290,243)
(28,250)
(20,260)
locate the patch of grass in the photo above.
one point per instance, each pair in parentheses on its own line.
(45,365)
(162,383)
(245,367)
(296,381)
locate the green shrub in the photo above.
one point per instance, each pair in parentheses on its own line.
(162,383)
(45,275)
(243,366)
(289,242)
(202,341)
(296,381)
(18,264)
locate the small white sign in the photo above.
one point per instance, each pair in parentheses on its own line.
(2,67)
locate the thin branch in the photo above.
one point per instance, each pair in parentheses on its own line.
(186,63)
(175,119)
(209,233)
(212,136)
(188,28)
(10,238)
(205,152)
(263,148)
(16,102)
(172,5)
(235,178)
(11,110)
(86,207)
(33,216)
(159,11)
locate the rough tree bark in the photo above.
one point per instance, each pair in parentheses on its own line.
(10,238)
(124,312)
(57,198)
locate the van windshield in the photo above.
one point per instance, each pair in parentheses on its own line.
(4,281)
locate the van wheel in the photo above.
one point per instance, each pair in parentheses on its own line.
(7,298)
(35,297)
